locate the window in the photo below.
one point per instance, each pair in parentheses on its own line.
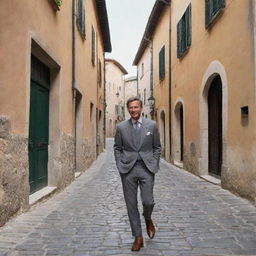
(142,70)
(162,63)
(212,9)
(99,73)
(80,20)
(184,33)
(116,109)
(93,46)
(91,111)
(144,97)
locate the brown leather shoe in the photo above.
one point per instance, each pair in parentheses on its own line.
(138,243)
(150,228)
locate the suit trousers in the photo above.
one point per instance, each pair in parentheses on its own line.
(139,176)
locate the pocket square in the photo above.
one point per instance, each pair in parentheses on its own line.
(148,133)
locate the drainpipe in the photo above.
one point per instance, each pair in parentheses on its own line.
(74,77)
(170,85)
(104,102)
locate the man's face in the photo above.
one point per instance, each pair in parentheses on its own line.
(135,109)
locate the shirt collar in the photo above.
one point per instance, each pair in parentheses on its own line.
(139,120)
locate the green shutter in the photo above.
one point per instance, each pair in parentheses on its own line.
(212,8)
(179,39)
(93,46)
(81,18)
(184,32)
(189,24)
(162,63)
(207,12)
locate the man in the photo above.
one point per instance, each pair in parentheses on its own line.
(137,151)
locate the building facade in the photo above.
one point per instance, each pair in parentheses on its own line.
(56,93)
(213,91)
(145,79)
(204,87)
(156,38)
(130,90)
(115,91)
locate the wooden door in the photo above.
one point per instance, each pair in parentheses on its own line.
(215,126)
(181,134)
(38,125)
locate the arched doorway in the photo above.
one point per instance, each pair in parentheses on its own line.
(162,132)
(178,139)
(215,127)
(214,71)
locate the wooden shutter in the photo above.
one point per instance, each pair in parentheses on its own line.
(207,12)
(162,63)
(179,39)
(93,46)
(189,24)
(81,18)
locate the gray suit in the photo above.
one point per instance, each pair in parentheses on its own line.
(137,157)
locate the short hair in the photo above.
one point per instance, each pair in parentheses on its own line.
(134,98)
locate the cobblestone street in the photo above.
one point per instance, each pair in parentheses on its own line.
(89,217)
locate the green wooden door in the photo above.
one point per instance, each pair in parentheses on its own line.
(38,125)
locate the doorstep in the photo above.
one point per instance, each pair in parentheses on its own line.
(41,194)
(211,179)
(77,174)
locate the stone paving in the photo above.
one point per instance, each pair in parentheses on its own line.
(193,217)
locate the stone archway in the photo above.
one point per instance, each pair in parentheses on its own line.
(214,70)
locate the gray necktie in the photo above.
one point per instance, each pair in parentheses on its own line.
(137,125)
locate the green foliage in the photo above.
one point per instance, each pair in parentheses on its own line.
(58,2)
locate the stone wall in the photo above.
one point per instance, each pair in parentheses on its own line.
(86,153)
(66,161)
(14,185)
(190,158)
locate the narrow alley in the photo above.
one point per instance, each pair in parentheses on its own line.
(193,217)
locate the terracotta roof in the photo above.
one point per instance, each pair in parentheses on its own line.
(150,28)
(103,20)
(118,65)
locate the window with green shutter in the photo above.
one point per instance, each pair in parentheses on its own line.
(93,46)
(184,33)
(212,10)
(162,63)
(80,20)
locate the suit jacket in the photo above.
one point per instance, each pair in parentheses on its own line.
(126,149)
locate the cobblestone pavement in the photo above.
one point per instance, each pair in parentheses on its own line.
(89,217)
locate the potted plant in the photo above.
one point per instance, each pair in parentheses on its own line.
(56,4)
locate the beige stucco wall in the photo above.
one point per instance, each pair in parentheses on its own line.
(160,88)
(114,84)
(15,58)
(144,80)
(226,49)
(34,27)
(92,92)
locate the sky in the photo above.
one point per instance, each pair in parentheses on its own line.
(127,23)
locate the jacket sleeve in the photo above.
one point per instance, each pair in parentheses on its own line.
(156,144)
(118,145)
